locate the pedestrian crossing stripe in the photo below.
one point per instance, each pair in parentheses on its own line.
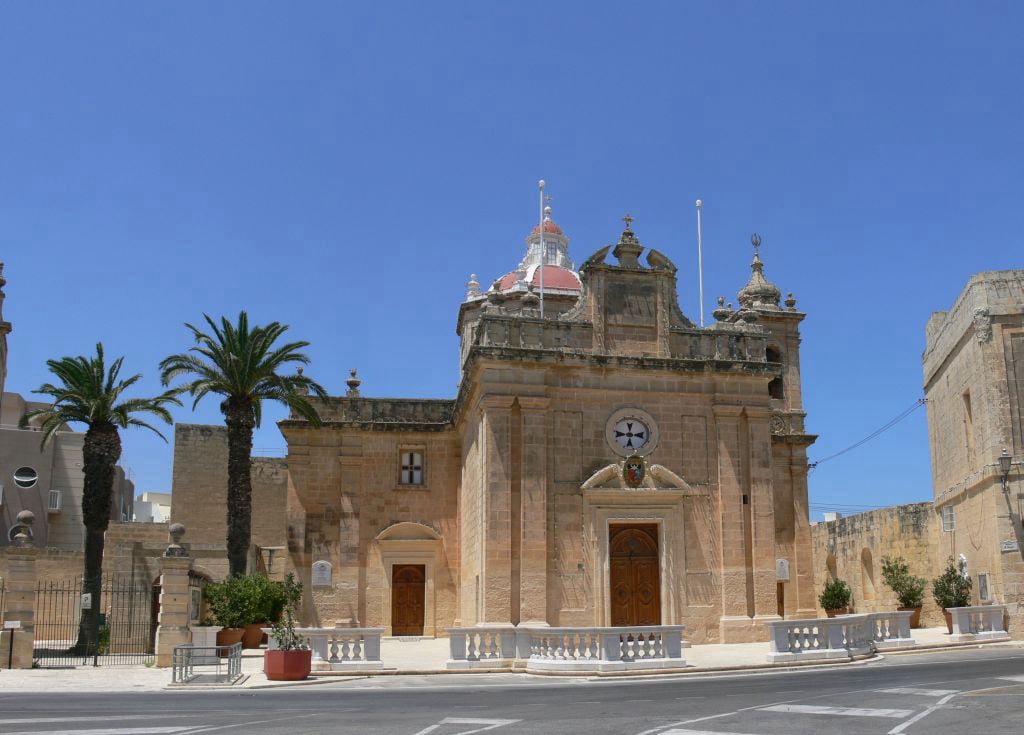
(923,692)
(811,709)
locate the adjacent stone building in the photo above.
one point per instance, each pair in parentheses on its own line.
(974,389)
(45,480)
(604,462)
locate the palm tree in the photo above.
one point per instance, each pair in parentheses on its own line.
(90,394)
(241,363)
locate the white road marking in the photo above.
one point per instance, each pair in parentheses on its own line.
(489,725)
(813,709)
(699,732)
(920,715)
(77,718)
(922,692)
(1012,678)
(109,731)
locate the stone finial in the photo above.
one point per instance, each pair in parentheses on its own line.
(628,248)
(301,389)
(759,293)
(24,527)
(530,299)
(472,288)
(353,384)
(722,313)
(790,302)
(176,531)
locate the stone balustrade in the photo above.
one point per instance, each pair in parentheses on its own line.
(482,648)
(978,623)
(577,650)
(841,637)
(340,649)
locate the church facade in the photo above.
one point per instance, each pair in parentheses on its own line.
(605,462)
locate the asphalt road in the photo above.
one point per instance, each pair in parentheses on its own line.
(936,693)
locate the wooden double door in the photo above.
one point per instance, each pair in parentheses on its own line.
(635,574)
(408,588)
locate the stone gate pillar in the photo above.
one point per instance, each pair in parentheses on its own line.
(173,629)
(20,598)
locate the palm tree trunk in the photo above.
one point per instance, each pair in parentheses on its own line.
(100,452)
(238,416)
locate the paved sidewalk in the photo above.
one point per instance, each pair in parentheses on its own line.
(399,656)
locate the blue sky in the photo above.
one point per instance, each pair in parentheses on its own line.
(344,167)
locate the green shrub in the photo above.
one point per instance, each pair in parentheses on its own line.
(284,628)
(952,588)
(835,595)
(243,600)
(897,577)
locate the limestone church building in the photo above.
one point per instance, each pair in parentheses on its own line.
(605,462)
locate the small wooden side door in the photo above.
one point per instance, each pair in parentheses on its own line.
(408,583)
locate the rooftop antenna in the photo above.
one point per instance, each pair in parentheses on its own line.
(700,264)
(543,250)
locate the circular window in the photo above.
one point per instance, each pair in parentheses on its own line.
(25,477)
(631,431)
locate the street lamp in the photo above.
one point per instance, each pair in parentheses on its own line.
(1005,460)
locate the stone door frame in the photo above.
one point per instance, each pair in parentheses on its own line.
(601,516)
(399,546)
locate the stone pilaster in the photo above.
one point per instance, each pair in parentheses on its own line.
(496,597)
(173,628)
(735,622)
(762,500)
(803,574)
(533,601)
(20,598)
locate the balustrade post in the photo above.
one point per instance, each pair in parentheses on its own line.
(20,598)
(611,646)
(371,647)
(457,644)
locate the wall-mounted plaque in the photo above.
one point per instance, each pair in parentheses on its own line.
(782,570)
(322,574)
(1010,545)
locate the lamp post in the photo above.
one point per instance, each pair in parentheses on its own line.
(1005,461)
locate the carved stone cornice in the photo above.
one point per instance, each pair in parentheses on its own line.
(534,403)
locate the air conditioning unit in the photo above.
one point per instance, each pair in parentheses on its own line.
(55,500)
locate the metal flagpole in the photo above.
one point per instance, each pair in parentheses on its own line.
(543,253)
(700,264)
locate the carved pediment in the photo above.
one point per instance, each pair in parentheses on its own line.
(657,477)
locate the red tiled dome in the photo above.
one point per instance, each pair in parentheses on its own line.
(549,226)
(554,277)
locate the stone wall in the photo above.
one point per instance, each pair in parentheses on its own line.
(852,548)
(200,487)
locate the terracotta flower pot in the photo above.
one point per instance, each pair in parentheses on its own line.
(837,611)
(915,619)
(287,665)
(949,620)
(229,636)
(253,635)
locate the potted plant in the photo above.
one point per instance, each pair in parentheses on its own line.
(266,600)
(908,588)
(835,598)
(952,589)
(292,659)
(231,606)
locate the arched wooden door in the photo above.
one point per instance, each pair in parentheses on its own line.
(635,577)
(408,586)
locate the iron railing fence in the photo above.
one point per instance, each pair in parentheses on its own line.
(206,664)
(121,632)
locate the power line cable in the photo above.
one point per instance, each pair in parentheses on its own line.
(917,404)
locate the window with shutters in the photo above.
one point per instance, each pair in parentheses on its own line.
(411,471)
(948,518)
(54,503)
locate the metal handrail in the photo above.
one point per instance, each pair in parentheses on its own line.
(189,663)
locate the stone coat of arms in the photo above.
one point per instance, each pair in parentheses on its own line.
(633,471)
